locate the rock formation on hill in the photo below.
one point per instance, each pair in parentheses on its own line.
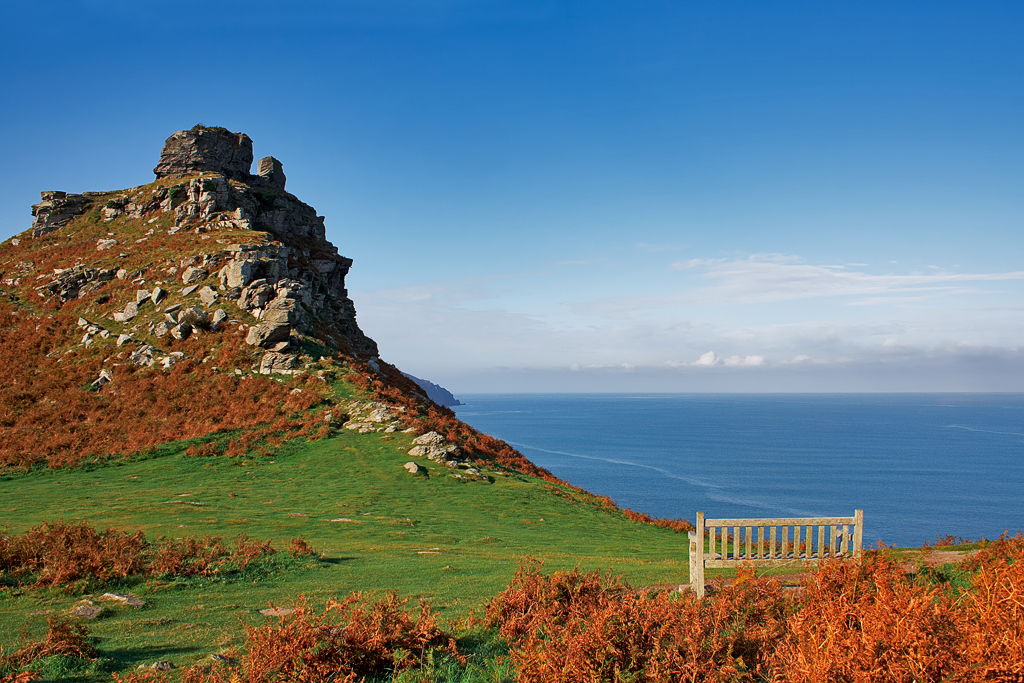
(287,282)
(200,150)
(206,304)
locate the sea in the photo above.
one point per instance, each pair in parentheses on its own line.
(921,466)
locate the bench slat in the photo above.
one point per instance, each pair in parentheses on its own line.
(729,564)
(779,521)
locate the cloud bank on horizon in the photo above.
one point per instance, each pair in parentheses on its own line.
(796,326)
(606,196)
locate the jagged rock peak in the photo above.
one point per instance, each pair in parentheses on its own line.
(271,171)
(55,211)
(203,149)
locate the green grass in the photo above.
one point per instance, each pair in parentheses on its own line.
(453,543)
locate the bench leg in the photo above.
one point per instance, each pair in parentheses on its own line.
(697,557)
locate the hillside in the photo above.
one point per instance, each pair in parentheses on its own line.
(205,302)
(183,362)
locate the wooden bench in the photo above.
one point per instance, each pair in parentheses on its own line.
(837,538)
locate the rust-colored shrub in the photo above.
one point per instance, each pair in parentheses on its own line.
(208,449)
(21,677)
(59,554)
(575,626)
(993,635)
(139,676)
(188,401)
(298,546)
(188,556)
(677,525)
(62,638)
(246,551)
(871,621)
(348,641)
(868,620)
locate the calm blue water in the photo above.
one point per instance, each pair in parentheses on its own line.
(920,466)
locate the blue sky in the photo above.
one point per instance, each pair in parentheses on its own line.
(590,196)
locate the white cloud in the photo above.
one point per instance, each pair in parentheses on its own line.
(707,359)
(744,361)
(780,277)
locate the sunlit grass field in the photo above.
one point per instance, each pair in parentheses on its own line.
(377,527)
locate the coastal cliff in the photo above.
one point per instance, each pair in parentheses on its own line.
(205,302)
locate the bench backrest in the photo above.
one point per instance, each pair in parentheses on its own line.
(777,542)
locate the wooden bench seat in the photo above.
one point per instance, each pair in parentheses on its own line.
(772,542)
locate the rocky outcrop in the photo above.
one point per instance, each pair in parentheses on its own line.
(271,171)
(73,283)
(56,210)
(432,445)
(283,273)
(202,149)
(277,363)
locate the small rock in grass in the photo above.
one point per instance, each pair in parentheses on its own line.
(181,331)
(103,379)
(219,317)
(429,439)
(277,611)
(277,363)
(207,295)
(125,599)
(87,611)
(193,274)
(194,315)
(162,665)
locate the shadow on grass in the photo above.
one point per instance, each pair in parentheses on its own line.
(131,657)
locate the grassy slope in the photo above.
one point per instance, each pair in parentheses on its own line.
(480,531)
